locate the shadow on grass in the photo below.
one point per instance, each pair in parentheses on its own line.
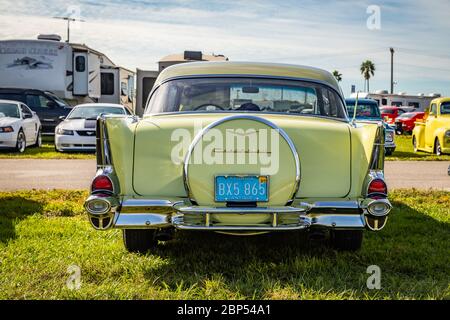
(412,252)
(13,209)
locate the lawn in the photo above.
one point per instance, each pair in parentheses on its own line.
(47,151)
(404,151)
(43,233)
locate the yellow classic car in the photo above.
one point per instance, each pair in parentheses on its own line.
(241,149)
(433,135)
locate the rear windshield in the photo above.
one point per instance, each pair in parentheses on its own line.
(9,110)
(364,110)
(246,95)
(93,112)
(407,115)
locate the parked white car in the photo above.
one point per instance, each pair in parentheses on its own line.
(77,132)
(19,126)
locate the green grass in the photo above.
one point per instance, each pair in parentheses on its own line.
(43,233)
(47,151)
(405,151)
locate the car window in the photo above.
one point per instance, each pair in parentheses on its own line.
(37,101)
(400,111)
(25,110)
(235,94)
(433,108)
(9,110)
(445,108)
(407,115)
(364,110)
(58,100)
(93,112)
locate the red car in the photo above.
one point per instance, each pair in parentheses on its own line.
(390,113)
(406,121)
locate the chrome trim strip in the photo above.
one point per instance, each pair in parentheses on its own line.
(377,159)
(243,210)
(336,205)
(246,117)
(339,221)
(102,146)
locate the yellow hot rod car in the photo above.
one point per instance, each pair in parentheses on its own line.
(433,135)
(241,149)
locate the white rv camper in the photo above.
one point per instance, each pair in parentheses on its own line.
(73,72)
(419,102)
(145,79)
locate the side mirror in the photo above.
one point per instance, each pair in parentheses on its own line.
(62,118)
(27,115)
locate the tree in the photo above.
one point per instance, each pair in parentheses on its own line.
(337,75)
(367,70)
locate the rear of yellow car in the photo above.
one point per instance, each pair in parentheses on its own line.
(240,155)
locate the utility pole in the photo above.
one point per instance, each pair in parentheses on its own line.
(392,70)
(68,19)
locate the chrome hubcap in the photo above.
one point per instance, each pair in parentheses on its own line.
(21,142)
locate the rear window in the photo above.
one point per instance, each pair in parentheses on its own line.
(407,115)
(364,110)
(236,94)
(93,112)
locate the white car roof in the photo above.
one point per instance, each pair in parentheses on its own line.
(113,105)
(11,101)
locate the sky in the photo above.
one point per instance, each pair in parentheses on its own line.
(333,35)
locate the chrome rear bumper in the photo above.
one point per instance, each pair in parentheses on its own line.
(157,214)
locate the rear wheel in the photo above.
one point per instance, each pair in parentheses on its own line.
(350,240)
(139,241)
(437,147)
(21,142)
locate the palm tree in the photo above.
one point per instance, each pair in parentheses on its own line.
(337,75)
(367,70)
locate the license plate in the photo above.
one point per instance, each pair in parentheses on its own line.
(241,188)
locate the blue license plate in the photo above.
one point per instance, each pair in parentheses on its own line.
(241,188)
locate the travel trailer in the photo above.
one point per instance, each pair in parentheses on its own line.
(74,72)
(419,102)
(145,78)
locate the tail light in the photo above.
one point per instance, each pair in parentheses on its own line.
(377,187)
(102,183)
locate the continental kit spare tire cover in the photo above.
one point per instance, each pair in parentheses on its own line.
(242,145)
